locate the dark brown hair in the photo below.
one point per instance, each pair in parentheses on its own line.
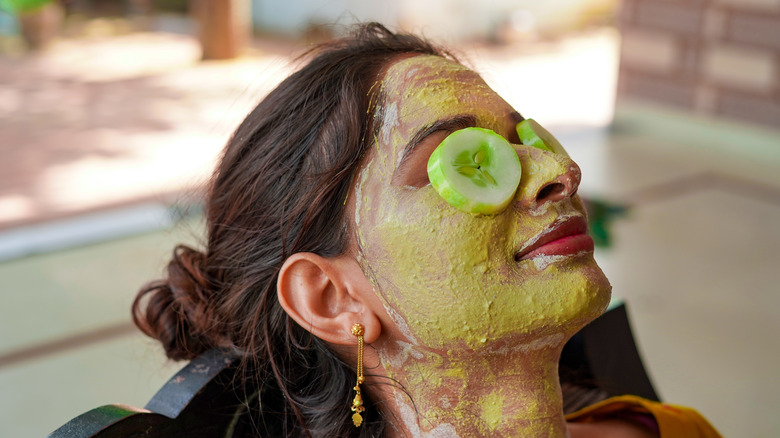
(280,189)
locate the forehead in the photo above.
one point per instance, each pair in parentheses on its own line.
(423,89)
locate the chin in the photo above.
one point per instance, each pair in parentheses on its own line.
(595,299)
(582,294)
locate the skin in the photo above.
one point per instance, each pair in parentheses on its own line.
(471,334)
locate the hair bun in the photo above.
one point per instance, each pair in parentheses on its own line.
(178,310)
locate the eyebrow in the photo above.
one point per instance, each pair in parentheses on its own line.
(449,124)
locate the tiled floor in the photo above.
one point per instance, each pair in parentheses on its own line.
(118,110)
(66,341)
(695,258)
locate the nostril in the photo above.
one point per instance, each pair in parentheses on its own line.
(551,192)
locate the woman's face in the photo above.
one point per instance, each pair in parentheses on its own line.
(448,278)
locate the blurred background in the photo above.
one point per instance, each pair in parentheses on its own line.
(113,112)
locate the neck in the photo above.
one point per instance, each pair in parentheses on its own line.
(500,392)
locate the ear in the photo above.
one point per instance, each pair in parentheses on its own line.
(326,296)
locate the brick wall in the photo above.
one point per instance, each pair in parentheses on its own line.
(715,57)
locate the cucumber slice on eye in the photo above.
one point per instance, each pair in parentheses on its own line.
(475,170)
(533,134)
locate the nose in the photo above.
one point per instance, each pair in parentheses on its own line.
(547,178)
(562,187)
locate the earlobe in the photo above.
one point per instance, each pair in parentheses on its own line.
(323,295)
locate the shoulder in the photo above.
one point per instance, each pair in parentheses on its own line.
(664,420)
(615,428)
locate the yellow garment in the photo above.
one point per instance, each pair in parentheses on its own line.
(673,421)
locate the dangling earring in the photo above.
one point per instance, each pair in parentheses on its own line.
(357,402)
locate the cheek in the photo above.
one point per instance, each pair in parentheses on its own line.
(419,251)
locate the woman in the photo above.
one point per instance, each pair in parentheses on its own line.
(321,216)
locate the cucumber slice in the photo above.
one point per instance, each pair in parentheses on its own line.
(475,170)
(533,134)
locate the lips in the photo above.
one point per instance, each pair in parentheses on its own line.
(568,237)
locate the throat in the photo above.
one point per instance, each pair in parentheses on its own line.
(499,394)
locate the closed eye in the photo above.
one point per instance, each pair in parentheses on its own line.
(413,169)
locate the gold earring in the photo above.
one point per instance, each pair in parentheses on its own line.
(357,402)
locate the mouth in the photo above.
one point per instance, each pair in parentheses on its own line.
(563,238)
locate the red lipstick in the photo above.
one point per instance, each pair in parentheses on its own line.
(563,238)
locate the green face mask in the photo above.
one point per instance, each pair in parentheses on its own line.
(449,279)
